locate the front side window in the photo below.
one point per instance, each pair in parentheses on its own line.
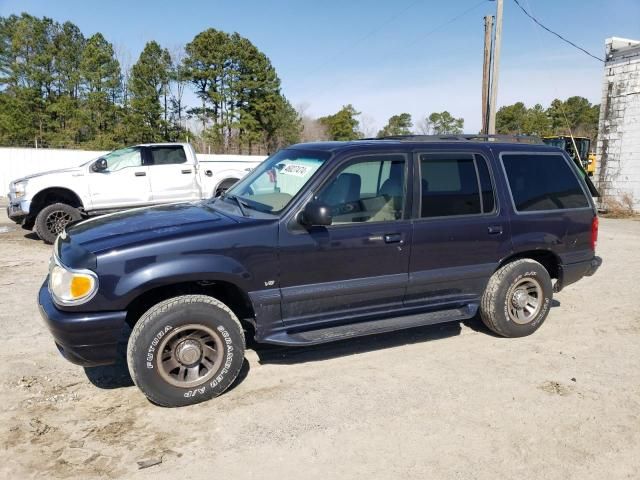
(272,185)
(370,189)
(168,155)
(123,158)
(542,182)
(450,185)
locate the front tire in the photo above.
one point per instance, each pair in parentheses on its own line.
(186,350)
(52,220)
(517,298)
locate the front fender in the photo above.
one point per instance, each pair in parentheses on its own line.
(139,275)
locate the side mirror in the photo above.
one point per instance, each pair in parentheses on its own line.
(100,165)
(316,214)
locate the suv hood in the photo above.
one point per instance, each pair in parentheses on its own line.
(140,226)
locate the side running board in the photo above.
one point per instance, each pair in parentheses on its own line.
(351,330)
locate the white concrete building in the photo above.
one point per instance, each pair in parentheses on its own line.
(618,147)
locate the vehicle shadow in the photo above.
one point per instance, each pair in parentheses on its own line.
(32,236)
(275,354)
(117,375)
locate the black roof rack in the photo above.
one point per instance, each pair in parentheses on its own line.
(462,138)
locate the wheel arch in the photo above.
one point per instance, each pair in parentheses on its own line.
(227,292)
(548,259)
(52,195)
(229,180)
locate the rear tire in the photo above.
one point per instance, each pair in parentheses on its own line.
(52,220)
(186,350)
(517,298)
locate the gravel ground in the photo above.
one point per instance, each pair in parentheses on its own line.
(449,401)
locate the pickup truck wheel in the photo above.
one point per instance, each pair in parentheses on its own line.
(52,219)
(517,299)
(185,350)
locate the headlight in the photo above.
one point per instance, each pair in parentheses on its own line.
(19,189)
(71,287)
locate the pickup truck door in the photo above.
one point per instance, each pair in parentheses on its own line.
(359,264)
(125,182)
(173,178)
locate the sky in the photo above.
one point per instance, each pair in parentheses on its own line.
(385,58)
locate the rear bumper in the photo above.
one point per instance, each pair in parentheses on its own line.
(573,272)
(86,339)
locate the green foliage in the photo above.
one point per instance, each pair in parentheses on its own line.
(59,89)
(575,115)
(443,123)
(342,125)
(148,83)
(241,104)
(397,125)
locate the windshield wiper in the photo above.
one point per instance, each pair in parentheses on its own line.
(238,202)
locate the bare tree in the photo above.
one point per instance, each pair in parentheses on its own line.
(312,129)
(424,126)
(177,85)
(367,125)
(124,57)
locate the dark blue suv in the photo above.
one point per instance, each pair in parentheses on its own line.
(321,242)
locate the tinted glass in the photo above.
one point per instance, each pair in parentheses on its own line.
(542,182)
(488,200)
(370,190)
(449,185)
(168,155)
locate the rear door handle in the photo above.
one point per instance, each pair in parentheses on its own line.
(186,171)
(140,174)
(495,229)
(393,238)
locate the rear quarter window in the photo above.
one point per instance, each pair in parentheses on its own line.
(542,182)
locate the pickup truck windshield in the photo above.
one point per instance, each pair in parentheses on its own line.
(273,184)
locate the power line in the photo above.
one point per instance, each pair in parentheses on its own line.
(366,36)
(556,34)
(448,22)
(404,45)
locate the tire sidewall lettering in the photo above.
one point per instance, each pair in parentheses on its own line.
(151,351)
(229,350)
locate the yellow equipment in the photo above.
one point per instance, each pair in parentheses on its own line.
(583,156)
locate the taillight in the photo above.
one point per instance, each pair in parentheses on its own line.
(594,232)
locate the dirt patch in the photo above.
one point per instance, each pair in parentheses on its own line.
(555,388)
(412,405)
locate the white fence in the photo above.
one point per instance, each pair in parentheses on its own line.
(18,162)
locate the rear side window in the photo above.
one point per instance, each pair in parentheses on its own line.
(542,182)
(168,155)
(452,183)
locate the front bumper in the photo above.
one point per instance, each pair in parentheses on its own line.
(18,210)
(573,272)
(86,339)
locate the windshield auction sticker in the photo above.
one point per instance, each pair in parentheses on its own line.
(295,170)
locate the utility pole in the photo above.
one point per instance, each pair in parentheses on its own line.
(495,69)
(486,70)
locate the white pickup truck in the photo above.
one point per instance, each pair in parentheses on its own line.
(129,177)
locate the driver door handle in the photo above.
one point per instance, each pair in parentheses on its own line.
(140,174)
(393,238)
(495,229)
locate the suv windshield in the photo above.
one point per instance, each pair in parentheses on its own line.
(273,184)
